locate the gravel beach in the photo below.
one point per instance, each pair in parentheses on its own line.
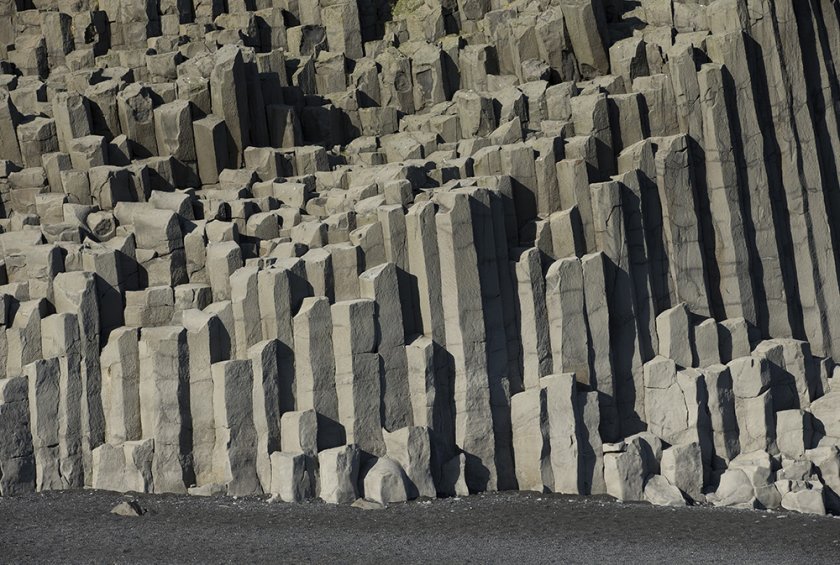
(77,527)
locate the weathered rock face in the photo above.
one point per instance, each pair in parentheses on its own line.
(334,248)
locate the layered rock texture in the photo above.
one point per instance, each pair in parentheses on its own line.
(344,249)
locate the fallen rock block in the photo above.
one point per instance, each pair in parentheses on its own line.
(385,482)
(735,489)
(660,492)
(363,504)
(209,489)
(808,500)
(339,474)
(682,466)
(411,448)
(291,476)
(624,473)
(128,508)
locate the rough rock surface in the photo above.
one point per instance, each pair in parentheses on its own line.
(334,247)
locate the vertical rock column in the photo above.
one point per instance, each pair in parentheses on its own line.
(601,352)
(533,317)
(586,25)
(357,370)
(60,340)
(753,403)
(75,293)
(268,393)
(72,117)
(394,236)
(211,147)
(137,119)
(564,297)
(43,377)
(683,237)
(499,316)
(626,325)
(229,95)
(731,251)
(805,167)
(341,19)
(573,183)
(120,362)
(244,297)
(466,339)
(282,289)
(164,401)
(382,286)
(208,343)
(235,454)
(532,450)
(174,136)
(17,460)
(561,404)
(723,421)
(771,290)
(315,384)
(9,119)
(23,338)
(429,358)
(590,443)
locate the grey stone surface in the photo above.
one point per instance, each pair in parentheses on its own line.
(344,248)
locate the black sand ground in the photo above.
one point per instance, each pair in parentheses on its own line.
(77,527)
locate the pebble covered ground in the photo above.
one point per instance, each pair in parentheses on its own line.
(78,527)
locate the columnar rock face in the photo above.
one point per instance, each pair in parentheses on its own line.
(338,248)
(164,397)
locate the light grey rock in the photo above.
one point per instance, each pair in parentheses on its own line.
(363,504)
(794,432)
(537,253)
(682,466)
(315,369)
(660,492)
(357,379)
(759,467)
(381,285)
(299,432)
(624,474)
(339,474)
(735,489)
(291,476)
(826,460)
(411,448)
(129,508)
(806,501)
(266,394)
(827,422)
(385,482)
(164,374)
(723,420)
(676,336)
(753,403)
(235,452)
(531,440)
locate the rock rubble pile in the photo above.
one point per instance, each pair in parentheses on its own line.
(344,249)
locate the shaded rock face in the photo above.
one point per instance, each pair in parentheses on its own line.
(343,249)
